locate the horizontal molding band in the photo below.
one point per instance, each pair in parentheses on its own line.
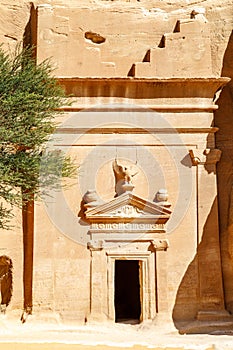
(132,80)
(110,130)
(123,145)
(142,109)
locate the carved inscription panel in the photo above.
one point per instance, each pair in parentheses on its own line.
(121,226)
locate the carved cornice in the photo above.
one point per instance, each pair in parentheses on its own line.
(204,157)
(149,87)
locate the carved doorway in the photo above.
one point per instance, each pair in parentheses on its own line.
(124,235)
(127,299)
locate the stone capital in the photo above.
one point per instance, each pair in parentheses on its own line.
(204,156)
(95,245)
(159,244)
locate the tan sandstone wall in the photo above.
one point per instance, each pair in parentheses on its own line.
(14,17)
(136,26)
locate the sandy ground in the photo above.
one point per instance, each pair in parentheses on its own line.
(35,335)
(74,347)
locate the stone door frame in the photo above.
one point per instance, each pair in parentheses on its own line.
(146,278)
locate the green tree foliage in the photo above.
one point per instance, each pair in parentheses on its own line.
(29,100)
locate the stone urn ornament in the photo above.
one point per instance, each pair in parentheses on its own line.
(161,198)
(91,199)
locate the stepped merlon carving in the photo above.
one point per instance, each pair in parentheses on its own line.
(183,53)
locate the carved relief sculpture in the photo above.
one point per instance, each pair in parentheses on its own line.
(123,178)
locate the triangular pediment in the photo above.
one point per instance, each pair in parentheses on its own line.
(128,206)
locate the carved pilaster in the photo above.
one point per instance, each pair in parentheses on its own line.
(211,298)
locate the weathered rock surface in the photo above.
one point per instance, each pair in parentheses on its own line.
(127,17)
(137,26)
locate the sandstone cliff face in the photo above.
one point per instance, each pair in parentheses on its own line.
(14,17)
(158,17)
(224,120)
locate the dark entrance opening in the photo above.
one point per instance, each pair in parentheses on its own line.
(127,291)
